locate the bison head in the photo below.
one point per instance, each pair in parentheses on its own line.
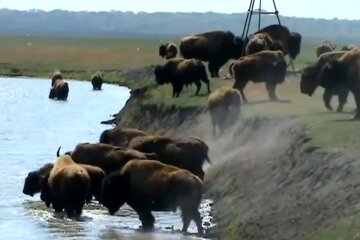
(294,44)
(114,191)
(237,47)
(35,180)
(160,74)
(309,83)
(105,137)
(162,50)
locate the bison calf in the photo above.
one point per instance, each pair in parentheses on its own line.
(265,66)
(153,186)
(224,107)
(179,72)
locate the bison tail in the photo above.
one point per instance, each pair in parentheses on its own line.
(58,152)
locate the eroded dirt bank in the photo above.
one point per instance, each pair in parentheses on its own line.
(265,183)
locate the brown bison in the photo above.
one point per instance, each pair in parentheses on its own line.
(310,80)
(68,186)
(97,81)
(36,180)
(148,186)
(215,47)
(265,66)
(325,46)
(288,42)
(179,72)
(188,153)
(224,107)
(168,50)
(350,47)
(120,136)
(344,71)
(259,42)
(59,88)
(107,157)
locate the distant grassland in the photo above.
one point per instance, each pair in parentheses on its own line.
(40,55)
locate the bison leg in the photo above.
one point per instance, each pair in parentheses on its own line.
(198,87)
(146,218)
(270,86)
(343,94)
(214,71)
(197,219)
(241,86)
(327,99)
(357,101)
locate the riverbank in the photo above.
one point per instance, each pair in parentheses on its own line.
(286,170)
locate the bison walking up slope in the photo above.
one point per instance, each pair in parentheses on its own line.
(215,47)
(224,107)
(180,72)
(265,66)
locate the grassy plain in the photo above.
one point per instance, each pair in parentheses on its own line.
(79,58)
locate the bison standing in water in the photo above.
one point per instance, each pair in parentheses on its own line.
(148,186)
(224,107)
(179,72)
(344,71)
(310,80)
(215,47)
(97,81)
(68,186)
(59,88)
(168,50)
(265,66)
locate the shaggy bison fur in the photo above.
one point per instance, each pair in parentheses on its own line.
(310,80)
(188,152)
(153,186)
(179,72)
(224,107)
(215,47)
(265,66)
(120,136)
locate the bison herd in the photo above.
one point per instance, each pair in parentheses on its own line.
(60,89)
(148,172)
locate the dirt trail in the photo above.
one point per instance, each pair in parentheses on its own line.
(266,185)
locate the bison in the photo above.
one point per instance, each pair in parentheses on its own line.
(350,47)
(97,81)
(59,88)
(188,153)
(224,106)
(168,50)
(259,42)
(310,80)
(109,158)
(36,180)
(179,72)
(325,46)
(283,39)
(344,71)
(120,136)
(215,47)
(265,66)
(148,186)
(68,186)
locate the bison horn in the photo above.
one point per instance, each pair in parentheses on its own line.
(58,152)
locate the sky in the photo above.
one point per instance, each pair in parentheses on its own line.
(327,9)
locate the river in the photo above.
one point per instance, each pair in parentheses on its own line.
(32,127)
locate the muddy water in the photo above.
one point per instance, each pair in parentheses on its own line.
(32,127)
